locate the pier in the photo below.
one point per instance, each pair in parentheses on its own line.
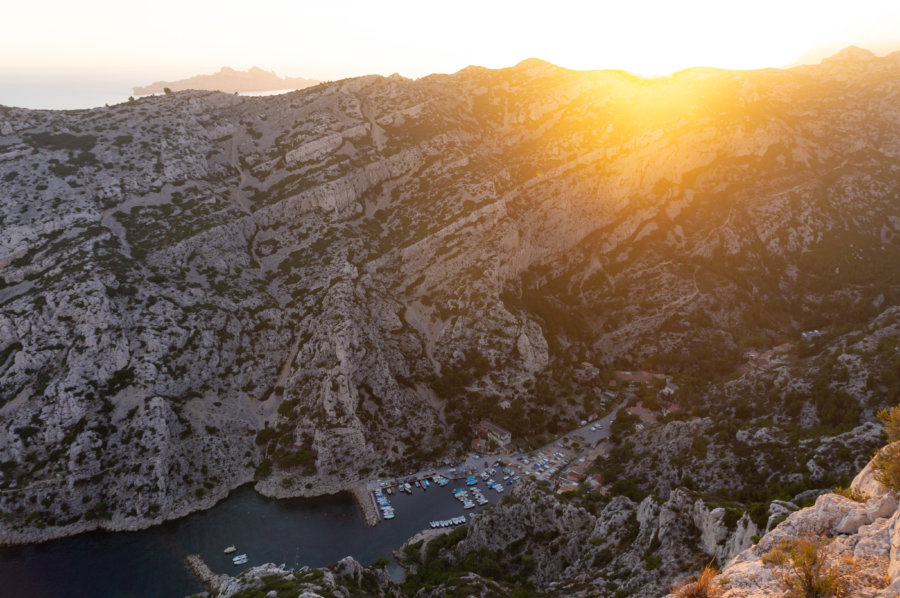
(367,503)
(213,581)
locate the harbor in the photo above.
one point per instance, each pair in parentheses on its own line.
(464,490)
(478,480)
(299,532)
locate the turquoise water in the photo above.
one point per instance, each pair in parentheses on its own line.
(150,563)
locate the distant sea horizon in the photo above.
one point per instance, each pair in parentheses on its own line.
(79,89)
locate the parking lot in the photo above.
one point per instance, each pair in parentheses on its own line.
(546,462)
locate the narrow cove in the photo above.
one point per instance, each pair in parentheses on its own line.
(150,563)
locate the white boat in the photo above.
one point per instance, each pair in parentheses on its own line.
(230,549)
(239,559)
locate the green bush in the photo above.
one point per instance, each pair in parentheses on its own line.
(887,466)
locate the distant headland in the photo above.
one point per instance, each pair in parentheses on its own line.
(230,80)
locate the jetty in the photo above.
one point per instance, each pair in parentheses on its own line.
(366,502)
(214,582)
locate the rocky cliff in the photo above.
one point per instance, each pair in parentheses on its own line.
(857,538)
(200,290)
(535,543)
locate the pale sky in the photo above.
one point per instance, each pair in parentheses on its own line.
(340,38)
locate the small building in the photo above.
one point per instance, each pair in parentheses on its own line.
(595,483)
(565,485)
(481,445)
(582,469)
(646,416)
(492,431)
(573,477)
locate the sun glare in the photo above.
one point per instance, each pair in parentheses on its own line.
(349,38)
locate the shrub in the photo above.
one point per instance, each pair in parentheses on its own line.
(805,571)
(381,563)
(887,466)
(890,418)
(702,587)
(852,493)
(778,556)
(887,460)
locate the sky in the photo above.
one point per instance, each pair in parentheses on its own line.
(333,39)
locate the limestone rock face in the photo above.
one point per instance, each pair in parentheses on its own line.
(860,539)
(344,579)
(201,290)
(569,544)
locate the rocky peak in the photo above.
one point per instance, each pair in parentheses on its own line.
(850,54)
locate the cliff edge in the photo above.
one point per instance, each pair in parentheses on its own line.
(855,539)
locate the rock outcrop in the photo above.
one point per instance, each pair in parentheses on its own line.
(858,539)
(344,579)
(565,549)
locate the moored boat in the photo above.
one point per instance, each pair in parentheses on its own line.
(239,559)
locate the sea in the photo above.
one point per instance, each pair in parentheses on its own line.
(299,532)
(77,89)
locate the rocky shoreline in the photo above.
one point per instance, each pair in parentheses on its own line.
(120,524)
(116,524)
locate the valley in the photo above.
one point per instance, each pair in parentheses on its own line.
(310,291)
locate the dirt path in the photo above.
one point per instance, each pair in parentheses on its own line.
(109,221)
(236,194)
(378,135)
(286,366)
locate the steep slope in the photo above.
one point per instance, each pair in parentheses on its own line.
(536,544)
(855,538)
(199,290)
